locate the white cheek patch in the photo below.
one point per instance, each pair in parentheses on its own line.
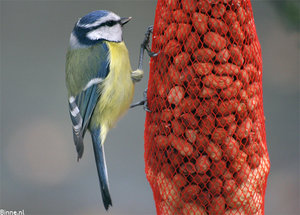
(113,33)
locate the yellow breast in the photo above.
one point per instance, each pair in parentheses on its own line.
(117,89)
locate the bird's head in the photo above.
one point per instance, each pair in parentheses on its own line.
(97,26)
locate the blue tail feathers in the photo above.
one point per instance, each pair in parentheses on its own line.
(78,140)
(101,167)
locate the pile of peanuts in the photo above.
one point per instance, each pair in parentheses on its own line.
(205,138)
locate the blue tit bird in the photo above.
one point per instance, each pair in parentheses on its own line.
(100,82)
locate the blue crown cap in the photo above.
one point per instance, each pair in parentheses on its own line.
(93,16)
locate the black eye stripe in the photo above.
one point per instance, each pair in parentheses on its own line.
(110,23)
(107,23)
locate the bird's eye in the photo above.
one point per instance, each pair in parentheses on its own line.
(110,23)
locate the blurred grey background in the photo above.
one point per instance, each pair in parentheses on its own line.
(39,172)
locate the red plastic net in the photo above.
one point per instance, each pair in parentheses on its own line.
(205,142)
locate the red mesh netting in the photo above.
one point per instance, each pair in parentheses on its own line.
(205,142)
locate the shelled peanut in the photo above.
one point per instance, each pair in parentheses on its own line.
(205,129)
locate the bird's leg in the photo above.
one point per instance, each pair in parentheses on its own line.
(144,102)
(135,75)
(138,74)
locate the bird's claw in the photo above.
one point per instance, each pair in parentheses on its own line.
(145,44)
(152,54)
(144,102)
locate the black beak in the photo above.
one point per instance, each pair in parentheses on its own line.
(125,20)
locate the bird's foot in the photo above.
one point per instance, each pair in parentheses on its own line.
(145,46)
(144,102)
(146,42)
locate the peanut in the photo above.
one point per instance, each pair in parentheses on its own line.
(254,161)
(191,135)
(183,31)
(167,169)
(161,141)
(244,129)
(253,89)
(217,206)
(229,187)
(164,128)
(236,33)
(214,151)
(181,145)
(219,135)
(238,162)
(226,120)
(244,76)
(170,32)
(241,110)
(193,209)
(167,209)
(207,125)
(203,68)
(207,107)
(190,192)
(175,95)
(178,128)
(223,56)
(228,106)
(239,211)
(241,15)
(174,75)
(166,115)
(236,55)
(243,95)
(187,168)
(189,104)
(171,4)
(231,91)
(168,190)
(217,82)
(180,16)
(215,186)
(207,92)
(230,148)
(172,48)
(214,41)
(204,6)
(202,164)
(189,6)
(227,175)
(181,60)
(253,103)
(200,22)
(218,26)
(227,69)
(218,10)
(204,55)
(179,180)
(218,168)
(189,120)
(243,174)
(200,179)
(191,42)
(201,141)
(230,17)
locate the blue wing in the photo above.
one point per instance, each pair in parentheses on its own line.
(83,104)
